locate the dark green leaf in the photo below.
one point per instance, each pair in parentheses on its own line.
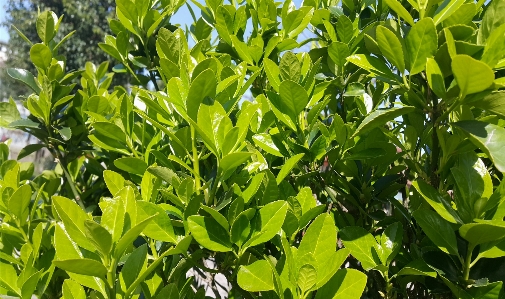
(209,233)
(438,230)
(381,117)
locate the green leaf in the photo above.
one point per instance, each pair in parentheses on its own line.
(436,201)
(66,250)
(233,160)
(338,53)
(267,222)
(372,64)
(345,29)
(435,78)
(8,279)
(82,266)
(8,113)
(422,43)
(320,241)
(293,99)
(381,117)
(273,73)
(492,249)
(391,242)
(160,228)
(242,50)
(257,277)
(446,9)
(24,76)
(130,236)
(73,290)
(240,229)
(264,141)
(29,149)
(73,218)
(438,230)
(113,216)
(214,123)
(418,267)
(170,291)
(346,283)
(131,165)
(472,75)
(204,85)
(482,232)
(110,130)
(164,173)
(99,236)
(287,167)
(488,137)
(307,277)
(217,216)
(30,284)
(299,26)
(65,133)
(46,22)
(114,181)
(494,102)
(362,246)
(474,186)
(19,203)
(209,233)
(390,47)
(400,11)
(41,56)
(290,67)
(493,18)
(134,264)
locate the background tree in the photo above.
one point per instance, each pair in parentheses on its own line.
(87,18)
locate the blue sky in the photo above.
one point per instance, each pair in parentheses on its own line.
(4,36)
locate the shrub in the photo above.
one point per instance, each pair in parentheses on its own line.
(367,166)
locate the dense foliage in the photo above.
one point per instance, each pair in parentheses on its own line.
(87,19)
(370,166)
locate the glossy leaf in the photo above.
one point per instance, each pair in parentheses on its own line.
(400,11)
(19,203)
(131,165)
(82,266)
(482,232)
(267,222)
(160,227)
(436,201)
(381,117)
(73,290)
(390,47)
(435,78)
(73,217)
(418,267)
(256,277)
(421,42)
(346,283)
(287,167)
(134,265)
(472,75)
(209,233)
(361,244)
(24,76)
(438,230)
